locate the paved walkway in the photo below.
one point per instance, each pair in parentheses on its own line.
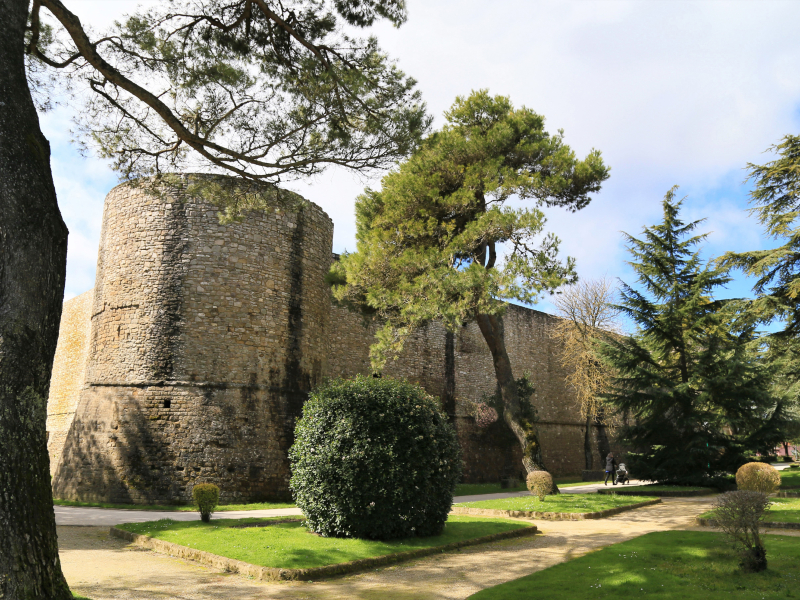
(74,515)
(104,568)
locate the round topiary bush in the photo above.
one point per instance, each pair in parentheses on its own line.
(374,458)
(540,483)
(758,477)
(206,498)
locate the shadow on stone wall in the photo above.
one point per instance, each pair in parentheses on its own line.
(153,445)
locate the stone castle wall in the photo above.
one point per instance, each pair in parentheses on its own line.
(206,338)
(69,372)
(489,453)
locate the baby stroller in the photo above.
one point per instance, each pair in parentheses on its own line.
(622,474)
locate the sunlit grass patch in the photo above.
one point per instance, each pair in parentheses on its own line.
(782,510)
(566,503)
(658,488)
(476,489)
(790,478)
(670,565)
(291,546)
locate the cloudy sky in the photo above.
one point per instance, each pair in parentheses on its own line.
(674,92)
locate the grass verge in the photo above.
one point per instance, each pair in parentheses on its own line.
(783,510)
(562,503)
(176,508)
(476,489)
(291,546)
(669,565)
(656,489)
(790,479)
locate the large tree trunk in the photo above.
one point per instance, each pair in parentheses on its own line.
(525,430)
(33,250)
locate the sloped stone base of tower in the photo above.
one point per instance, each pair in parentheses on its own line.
(152,444)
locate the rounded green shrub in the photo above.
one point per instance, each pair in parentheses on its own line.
(206,498)
(374,458)
(540,483)
(758,477)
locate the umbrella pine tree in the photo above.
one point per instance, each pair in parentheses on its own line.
(439,242)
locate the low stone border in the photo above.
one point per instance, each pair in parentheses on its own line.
(767,525)
(788,494)
(548,516)
(667,494)
(230,565)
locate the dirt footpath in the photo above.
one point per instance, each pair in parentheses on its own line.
(105,568)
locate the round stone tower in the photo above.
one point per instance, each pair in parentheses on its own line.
(205,340)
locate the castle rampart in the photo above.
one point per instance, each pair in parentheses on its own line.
(205,339)
(69,372)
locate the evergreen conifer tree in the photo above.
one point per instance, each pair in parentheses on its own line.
(438,241)
(694,395)
(775,201)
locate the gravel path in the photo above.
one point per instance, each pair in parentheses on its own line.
(74,515)
(104,568)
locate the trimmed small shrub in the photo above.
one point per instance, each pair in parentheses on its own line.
(206,498)
(540,483)
(739,515)
(758,477)
(374,458)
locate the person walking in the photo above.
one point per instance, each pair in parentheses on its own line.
(611,468)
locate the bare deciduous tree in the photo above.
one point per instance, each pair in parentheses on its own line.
(740,515)
(587,313)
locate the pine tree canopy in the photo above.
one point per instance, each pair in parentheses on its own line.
(775,200)
(690,384)
(264,89)
(438,241)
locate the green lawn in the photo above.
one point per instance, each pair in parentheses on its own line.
(783,510)
(177,508)
(568,503)
(790,478)
(475,489)
(291,546)
(669,565)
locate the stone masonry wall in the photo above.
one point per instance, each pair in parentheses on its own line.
(205,339)
(192,358)
(69,372)
(489,453)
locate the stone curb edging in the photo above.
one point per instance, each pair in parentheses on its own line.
(274,574)
(767,525)
(667,494)
(548,516)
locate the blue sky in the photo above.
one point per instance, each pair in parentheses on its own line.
(671,92)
